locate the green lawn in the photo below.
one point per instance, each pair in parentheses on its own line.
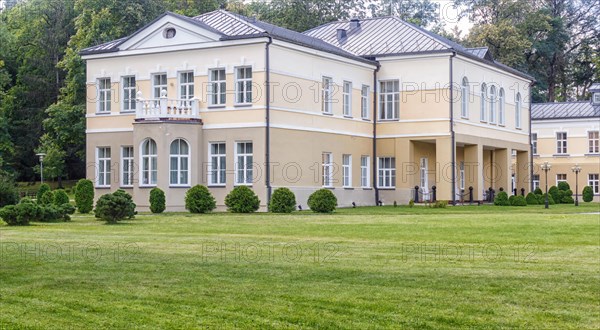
(367,268)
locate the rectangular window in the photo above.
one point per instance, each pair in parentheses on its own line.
(243,85)
(129,93)
(534,143)
(103,176)
(461,176)
(594,142)
(386,170)
(127,166)
(186,85)
(244,163)
(561,178)
(365,164)
(536,181)
(364,102)
(327,94)
(347,170)
(217,166)
(594,182)
(104,95)
(596,98)
(159,83)
(347,95)
(561,143)
(327,162)
(389,100)
(217,87)
(424,174)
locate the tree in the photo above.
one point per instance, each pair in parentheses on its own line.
(419,12)
(84,196)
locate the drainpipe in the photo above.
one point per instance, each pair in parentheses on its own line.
(268,121)
(374,169)
(530,142)
(453,138)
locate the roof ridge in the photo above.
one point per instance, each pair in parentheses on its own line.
(243,20)
(565,102)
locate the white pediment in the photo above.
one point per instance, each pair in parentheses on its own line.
(168,31)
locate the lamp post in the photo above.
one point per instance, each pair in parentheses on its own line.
(546,167)
(41,155)
(576,169)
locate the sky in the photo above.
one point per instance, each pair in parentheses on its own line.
(449,15)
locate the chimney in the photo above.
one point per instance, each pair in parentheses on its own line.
(354,23)
(341,35)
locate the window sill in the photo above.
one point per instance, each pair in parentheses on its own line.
(327,113)
(367,188)
(217,186)
(328,187)
(386,188)
(519,128)
(388,120)
(243,184)
(464,117)
(147,186)
(216,106)
(348,117)
(102,187)
(128,112)
(180,186)
(125,187)
(103,113)
(348,188)
(366,119)
(592,155)
(561,155)
(242,105)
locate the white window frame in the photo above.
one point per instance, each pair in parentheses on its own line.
(347,171)
(186,87)
(483,101)
(365,171)
(243,85)
(364,101)
(218,176)
(596,98)
(594,142)
(536,181)
(594,182)
(561,143)
(150,159)
(461,176)
(534,143)
(103,162)
(386,176)
(327,95)
(561,179)
(502,108)
(104,95)
(464,110)
(493,95)
(217,87)
(424,174)
(129,93)
(518,106)
(158,87)
(327,165)
(244,162)
(347,98)
(180,159)
(386,97)
(127,170)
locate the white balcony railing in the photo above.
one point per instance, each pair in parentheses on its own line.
(165,108)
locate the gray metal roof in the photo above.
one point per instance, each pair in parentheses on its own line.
(595,88)
(564,110)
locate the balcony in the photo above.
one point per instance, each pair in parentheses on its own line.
(165,109)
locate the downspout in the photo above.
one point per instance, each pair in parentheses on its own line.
(452,136)
(530,143)
(268,120)
(374,170)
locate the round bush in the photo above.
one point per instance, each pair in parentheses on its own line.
(587,194)
(8,191)
(519,201)
(115,207)
(157,200)
(242,200)
(567,197)
(554,192)
(511,199)
(322,201)
(501,199)
(84,196)
(550,199)
(44,187)
(563,186)
(60,197)
(540,198)
(538,191)
(282,201)
(199,200)
(47,198)
(531,199)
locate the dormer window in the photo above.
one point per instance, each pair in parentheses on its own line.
(596,98)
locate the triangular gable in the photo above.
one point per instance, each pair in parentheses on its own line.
(156,33)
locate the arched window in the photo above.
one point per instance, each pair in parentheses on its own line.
(179,167)
(484,97)
(149,163)
(501,113)
(464,111)
(518,111)
(493,96)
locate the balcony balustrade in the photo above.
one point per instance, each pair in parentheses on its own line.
(164,108)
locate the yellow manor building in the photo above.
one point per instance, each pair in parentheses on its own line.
(566,135)
(372,109)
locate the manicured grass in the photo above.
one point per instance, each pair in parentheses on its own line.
(366,268)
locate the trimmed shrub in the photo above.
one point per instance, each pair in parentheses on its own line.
(587,194)
(242,200)
(531,199)
(322,201)
(44,187)
(567,197)
(115,207)
(84,196)
(47,198)
(553,191)
(538,191)
(9,215)
(439,205)
(198,199)
(157,200)
(550,199)
(283,200)
(501,199)
(511,199)
(563,185)
(561,195)
(540,199)
(8,191)
(519,201)
(60,197)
